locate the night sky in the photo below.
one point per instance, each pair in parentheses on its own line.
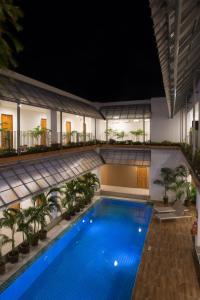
(96,51)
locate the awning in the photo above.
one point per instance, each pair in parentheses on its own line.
(137,111)
(177,32)
(126,157)
(25,179)
(19,91)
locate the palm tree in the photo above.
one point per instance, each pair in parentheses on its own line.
(181,172)
(167,178)
(91,183)
(9,18)
(178,187)
(33,218)
(47,203)
(69,190)
(9,220)
(4,239)
(25,227)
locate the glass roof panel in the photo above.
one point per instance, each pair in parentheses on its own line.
(16,90)
(17,183)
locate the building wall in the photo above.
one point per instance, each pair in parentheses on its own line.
(101,127)
(120,175)
(161,159)
(162,127)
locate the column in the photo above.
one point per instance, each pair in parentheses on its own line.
(197,239)
(186,141)
(18,127)
(95,129)
(61,128)
(106,130)
(198,134)
(84,130)
(54,139)
(143,120)
(193,126)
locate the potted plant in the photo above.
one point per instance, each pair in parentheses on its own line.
(26,229)
(167,178)
(4,239)
(33,218)
(46,205)
(88,184)
(190,194)
(9,220)
(69,190)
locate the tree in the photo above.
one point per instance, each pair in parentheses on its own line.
(9,220)
(120,134)
(167,178)
(10,16)
(88,184)
(4,239)
(137,133)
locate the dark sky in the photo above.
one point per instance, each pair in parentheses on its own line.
(93,50)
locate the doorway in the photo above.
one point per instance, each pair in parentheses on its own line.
(142,177)
(7,131)
(68,131)
(43,125)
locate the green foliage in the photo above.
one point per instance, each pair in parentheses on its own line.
(137,133)
(166,179)
(10,16)
(10,220)
(4,239)
(119,135)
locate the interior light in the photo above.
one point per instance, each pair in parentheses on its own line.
(83,221)
(139,229)
(91,221)
(135,120)
(115,263)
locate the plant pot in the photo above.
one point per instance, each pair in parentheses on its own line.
(43,234)
(77,209)
(2,267)
(24,248)
(34,240)
(67,216)
(187,202)
(73,212)
(13,257)
(165,200)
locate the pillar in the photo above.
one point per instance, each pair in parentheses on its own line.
(18,127)
(143,120)
(197,239)
(106,130)
(84,130)
(61,128)
(95,129)
(186,109)
(193,126)
(54,139)
(198,134)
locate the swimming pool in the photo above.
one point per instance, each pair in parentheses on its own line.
(96,259)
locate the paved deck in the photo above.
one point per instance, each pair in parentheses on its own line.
(167,271)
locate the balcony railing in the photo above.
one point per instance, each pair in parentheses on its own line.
(8,139)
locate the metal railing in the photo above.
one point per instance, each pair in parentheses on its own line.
(8,139)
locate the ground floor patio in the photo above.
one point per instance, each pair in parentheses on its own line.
(167,270)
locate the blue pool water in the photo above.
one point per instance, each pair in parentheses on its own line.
(96,259)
